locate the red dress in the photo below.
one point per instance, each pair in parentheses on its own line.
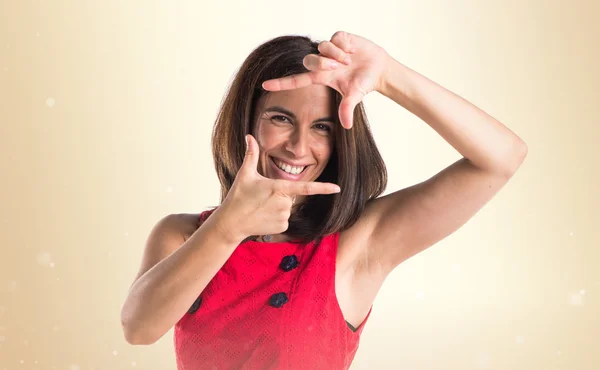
(271,306)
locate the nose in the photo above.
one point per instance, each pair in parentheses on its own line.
(298,143)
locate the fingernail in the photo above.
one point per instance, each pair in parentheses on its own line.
(337,189)
(347,60)
(333,65)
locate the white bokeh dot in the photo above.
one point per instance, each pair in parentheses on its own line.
(2,338)
(51,264)
(115,352)
(582,291)
(169,189)
(22,361)
(456,267)
(26,342)
(576,299)
(74,367)
(126,233)
(519,339)
(133,363)
(420,295)
(50,102)
(44,258)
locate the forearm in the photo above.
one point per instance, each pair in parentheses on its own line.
(480,138)
(160,297)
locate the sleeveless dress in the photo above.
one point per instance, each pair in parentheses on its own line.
(271,306)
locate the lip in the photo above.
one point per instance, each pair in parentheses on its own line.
(284,175)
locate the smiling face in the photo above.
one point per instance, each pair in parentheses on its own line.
(294,130)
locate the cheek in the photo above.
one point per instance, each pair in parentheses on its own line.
(260,134)
(323,149)
(267,136)
(323,156)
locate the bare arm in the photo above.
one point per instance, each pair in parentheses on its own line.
(408,221)
(172,275)
(174,272)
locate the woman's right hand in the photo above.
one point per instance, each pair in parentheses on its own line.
(256,205)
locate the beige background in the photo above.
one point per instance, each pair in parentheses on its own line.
(106,110)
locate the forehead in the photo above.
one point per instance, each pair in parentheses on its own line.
(315,99)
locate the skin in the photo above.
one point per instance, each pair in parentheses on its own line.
(392,228)
(308,139)
(397,226)
(303,137)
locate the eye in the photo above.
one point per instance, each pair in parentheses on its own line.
(280,118)
(323,127)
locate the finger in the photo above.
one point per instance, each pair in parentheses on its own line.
(331,50)
(347,106)
(250,163)
(293,188)
(290,82)
(343,40)
(320,63)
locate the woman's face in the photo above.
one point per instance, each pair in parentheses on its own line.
(294,130)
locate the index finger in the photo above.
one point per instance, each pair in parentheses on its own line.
(293,188)
(290,82)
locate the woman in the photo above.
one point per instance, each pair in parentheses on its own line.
(284,272)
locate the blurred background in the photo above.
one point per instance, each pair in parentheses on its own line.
(106,110)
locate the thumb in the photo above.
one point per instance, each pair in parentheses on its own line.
(252,153)
(347,105)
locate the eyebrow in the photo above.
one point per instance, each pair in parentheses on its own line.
(285,111)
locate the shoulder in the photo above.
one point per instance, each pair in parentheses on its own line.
(174,225)
(164,238)
(187,223)
(168,234)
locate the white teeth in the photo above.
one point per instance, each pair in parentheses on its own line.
(289,169)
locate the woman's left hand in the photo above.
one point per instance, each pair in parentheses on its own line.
(350,64)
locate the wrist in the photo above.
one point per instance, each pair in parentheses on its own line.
(225,227)
(395,83)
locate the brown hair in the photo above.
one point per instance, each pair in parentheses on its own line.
(355,163)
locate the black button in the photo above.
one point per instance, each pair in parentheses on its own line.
(195,305)
(289,263)
(278,299)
